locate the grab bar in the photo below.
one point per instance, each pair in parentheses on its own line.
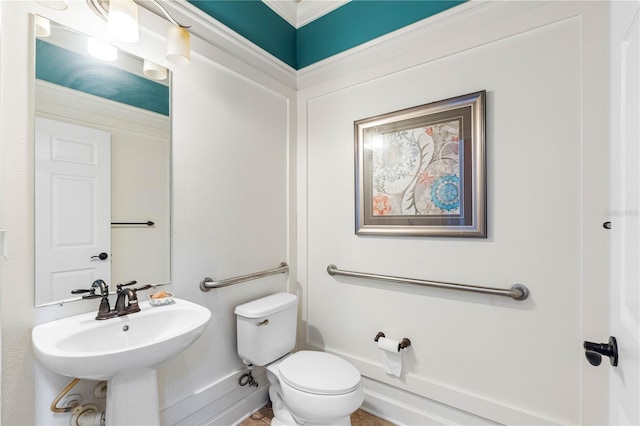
(516,292)
(208,283)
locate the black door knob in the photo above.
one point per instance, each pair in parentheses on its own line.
(101,256)
(594,351)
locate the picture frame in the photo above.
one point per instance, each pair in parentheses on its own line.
(421,171)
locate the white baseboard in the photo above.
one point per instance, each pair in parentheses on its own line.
(224,402)
(405,408)
(242,409)
(430,402)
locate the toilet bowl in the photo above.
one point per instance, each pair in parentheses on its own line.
(305,387)
(315,388)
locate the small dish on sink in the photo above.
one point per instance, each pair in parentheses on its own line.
(161,298)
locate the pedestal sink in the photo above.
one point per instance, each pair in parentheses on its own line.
(123,350)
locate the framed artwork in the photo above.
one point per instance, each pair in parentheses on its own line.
(421,171)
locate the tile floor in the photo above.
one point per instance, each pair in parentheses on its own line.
(264,415)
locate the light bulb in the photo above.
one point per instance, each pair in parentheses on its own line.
(122,22)
(101,50)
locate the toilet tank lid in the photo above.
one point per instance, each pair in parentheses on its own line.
(266,305)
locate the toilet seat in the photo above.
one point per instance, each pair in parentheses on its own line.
(319,373)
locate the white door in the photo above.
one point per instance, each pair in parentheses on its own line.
(73,208)
(625,214)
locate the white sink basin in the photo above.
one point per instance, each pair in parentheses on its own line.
(83,347)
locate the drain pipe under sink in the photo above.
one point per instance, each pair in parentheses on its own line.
(87,415)
(81,415)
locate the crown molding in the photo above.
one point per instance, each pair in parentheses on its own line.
(381,49)
(287,9)
(310,10)
(214,33)
(299,13)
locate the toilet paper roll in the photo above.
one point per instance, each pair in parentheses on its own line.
(391,356)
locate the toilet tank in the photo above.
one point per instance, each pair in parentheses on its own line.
(266,328)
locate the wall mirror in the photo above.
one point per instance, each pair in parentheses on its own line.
(102,165)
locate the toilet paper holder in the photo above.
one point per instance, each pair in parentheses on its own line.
(404,343)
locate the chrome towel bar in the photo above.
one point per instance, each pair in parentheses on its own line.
(208,283)
(516,292)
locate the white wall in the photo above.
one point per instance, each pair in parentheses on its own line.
(230,217)
(543,66)
(230,159)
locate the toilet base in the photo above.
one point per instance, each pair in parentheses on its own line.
(281,414)
(345,421)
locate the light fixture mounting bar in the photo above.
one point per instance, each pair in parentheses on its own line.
(101,8)
(166,13)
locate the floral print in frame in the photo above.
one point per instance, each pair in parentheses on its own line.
(421,171)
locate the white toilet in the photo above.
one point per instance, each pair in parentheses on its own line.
(306,387)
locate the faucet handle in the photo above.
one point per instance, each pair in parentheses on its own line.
(144,287)
(119,286)
(92,293)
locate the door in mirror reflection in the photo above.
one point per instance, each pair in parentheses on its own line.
(73,204)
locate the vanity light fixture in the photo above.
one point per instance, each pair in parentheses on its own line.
(179,45)
(153,70)
(122,22)
(178,38)
(43,27)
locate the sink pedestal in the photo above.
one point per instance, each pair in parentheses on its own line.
(132,398)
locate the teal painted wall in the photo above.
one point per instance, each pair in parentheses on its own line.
(348,26)
(86,74)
